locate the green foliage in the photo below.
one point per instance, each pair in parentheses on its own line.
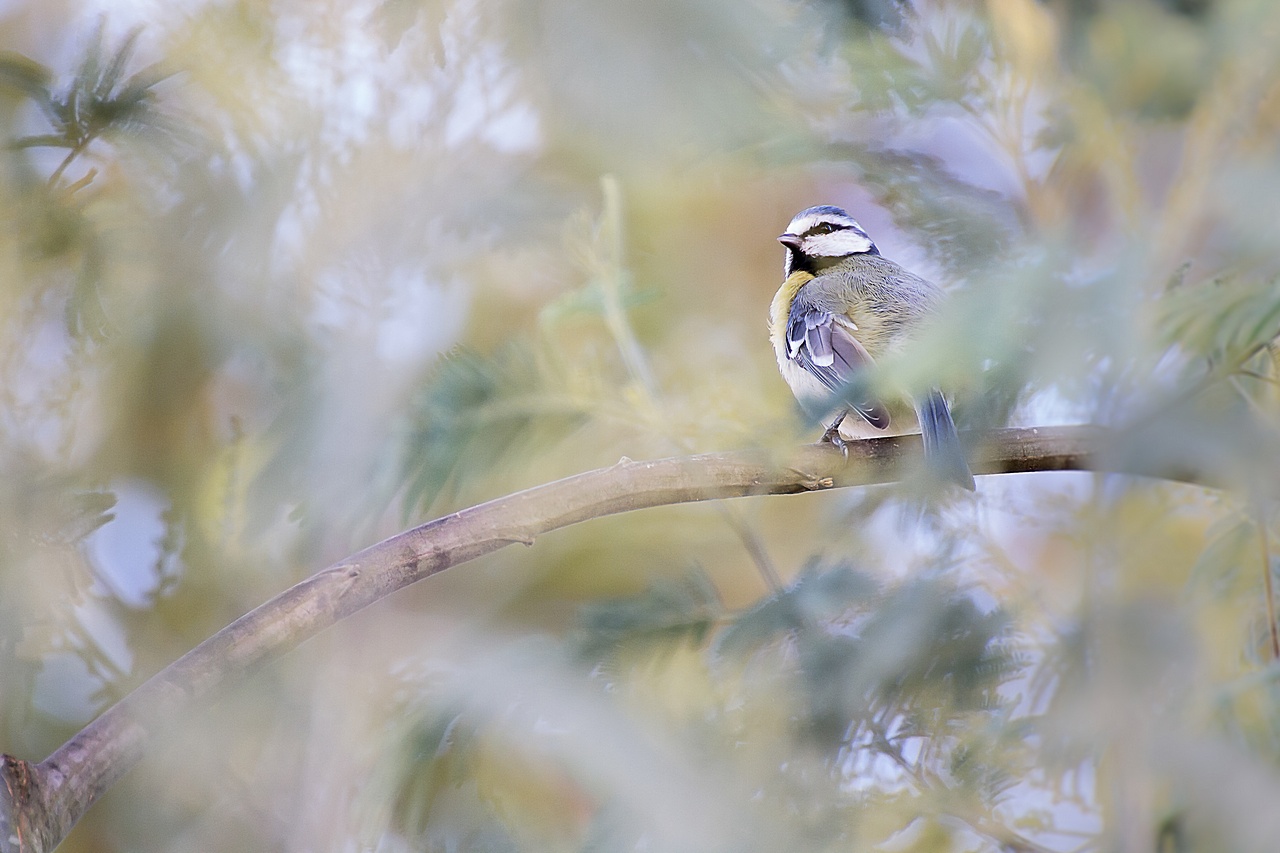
(815,597)
(964,227)
(1222,320)
(468,417)
(1148,58)
(870,668)
(873,14)
(359,264)
(908,674)
(671,612)
(99,100)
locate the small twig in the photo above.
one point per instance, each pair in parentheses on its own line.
(1262,377)
(83,182)
(66,161)
(929,783)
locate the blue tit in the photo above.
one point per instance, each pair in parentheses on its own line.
(841,307)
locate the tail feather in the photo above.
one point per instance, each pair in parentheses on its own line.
(942,451)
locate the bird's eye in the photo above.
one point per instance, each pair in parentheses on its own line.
(824,228)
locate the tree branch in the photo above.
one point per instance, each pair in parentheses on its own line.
(41,802)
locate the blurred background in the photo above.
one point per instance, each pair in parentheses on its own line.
(280,279)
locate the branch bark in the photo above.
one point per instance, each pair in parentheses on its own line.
(41,802)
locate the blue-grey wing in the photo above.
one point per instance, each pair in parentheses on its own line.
(825,346)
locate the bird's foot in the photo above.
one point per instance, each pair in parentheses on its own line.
(832,436)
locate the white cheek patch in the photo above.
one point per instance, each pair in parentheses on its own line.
(837,244)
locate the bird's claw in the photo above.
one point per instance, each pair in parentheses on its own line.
(832,436)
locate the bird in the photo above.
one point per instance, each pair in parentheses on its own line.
(841,308)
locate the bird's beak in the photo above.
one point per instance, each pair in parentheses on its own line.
(791,241)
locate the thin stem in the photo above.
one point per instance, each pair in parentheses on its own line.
(66,161)
(927,782)
(615,314)
(633,357)
(83,182)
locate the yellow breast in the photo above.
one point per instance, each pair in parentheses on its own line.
(780,310)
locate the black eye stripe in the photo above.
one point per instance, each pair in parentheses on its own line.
(826,228)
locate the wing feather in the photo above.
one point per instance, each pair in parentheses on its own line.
(825,346)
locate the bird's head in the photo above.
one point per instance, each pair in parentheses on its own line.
(821,237)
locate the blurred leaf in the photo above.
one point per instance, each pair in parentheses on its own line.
(954,64)
(25,75)
(963,227)
(923,646)
(888,78)
(1221,560)
(398,17)
(670,611)
(1222,319)
(874,14)
(100,99)
(76,516)
(1143,59)
(88,511)
(471,413)
(817,594)
(434,798)
(41,141)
